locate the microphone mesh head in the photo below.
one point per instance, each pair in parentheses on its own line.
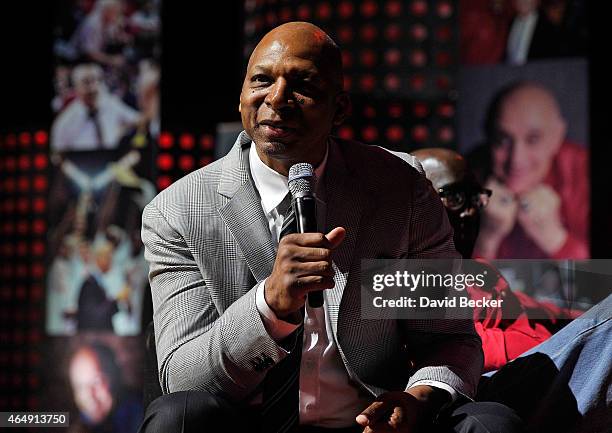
(301,179)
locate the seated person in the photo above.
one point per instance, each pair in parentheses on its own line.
(561,385)
(511,329)
(238,346)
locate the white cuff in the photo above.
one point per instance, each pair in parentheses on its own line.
(436,384)
(277,329)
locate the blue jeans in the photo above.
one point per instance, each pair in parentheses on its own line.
(565,383)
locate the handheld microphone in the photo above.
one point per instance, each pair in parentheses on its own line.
(301,186)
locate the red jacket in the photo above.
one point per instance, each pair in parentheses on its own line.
(518,325)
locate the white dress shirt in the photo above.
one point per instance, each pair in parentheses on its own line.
(328,398)
(519,38)
(75,129)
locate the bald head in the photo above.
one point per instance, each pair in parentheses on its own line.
(459,191)
(527,97)
(442,166)
(532,100)
(526,129)
(309,40)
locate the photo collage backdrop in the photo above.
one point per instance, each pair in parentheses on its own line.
(102,140)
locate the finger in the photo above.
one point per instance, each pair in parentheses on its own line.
(306,239)
(397,417)
(373,413)
(322,268)
(309,254)
(314,283)
(335,237)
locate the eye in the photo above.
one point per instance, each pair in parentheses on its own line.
(260,79)
(307,88)
(502,140)
(534,138)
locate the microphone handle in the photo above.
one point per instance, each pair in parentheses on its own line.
(305,209)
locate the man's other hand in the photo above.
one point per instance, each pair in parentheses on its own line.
(391,412)
(408,411)
(303,264)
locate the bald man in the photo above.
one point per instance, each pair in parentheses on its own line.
(238,347)
(99,394)
(540,202)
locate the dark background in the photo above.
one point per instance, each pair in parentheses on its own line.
(202,68)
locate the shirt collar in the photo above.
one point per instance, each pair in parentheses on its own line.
(272,186)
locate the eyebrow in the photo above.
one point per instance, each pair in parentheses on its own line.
(311,74)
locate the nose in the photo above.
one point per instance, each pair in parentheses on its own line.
(278,96)
(517,158)
(468,212)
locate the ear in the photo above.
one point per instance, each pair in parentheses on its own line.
(343,108)
(240,107)
(560,131)
(563,128)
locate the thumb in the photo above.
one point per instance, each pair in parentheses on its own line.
(372,413)
(335,237)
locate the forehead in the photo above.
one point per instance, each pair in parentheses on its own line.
(440,175)
(528,109)
(285,51)
(84,361)
(280,56)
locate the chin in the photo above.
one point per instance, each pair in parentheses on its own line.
(520,186)
(271,148)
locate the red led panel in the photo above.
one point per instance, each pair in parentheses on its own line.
(444,9)
(368,33)
(418,8)
(393,32)
(345,9)
(186,162)
(368,58)
(303,12)
(420,133)
(285,15)
(205,160)
(165,161)
(392,82)
(393,8)
(166,140)
(395,133)
(345,34)
(207,142)
(367,82)
(41,138)
(393,57)
(186,141)
(369,133)
(369,8)
(324,11)
(25,139)
(163,182)
(346,132)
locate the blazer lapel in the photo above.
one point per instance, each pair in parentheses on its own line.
(243,214)
(345,201)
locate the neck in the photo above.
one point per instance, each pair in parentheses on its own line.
(282,165)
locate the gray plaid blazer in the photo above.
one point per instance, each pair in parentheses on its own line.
(208,245)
